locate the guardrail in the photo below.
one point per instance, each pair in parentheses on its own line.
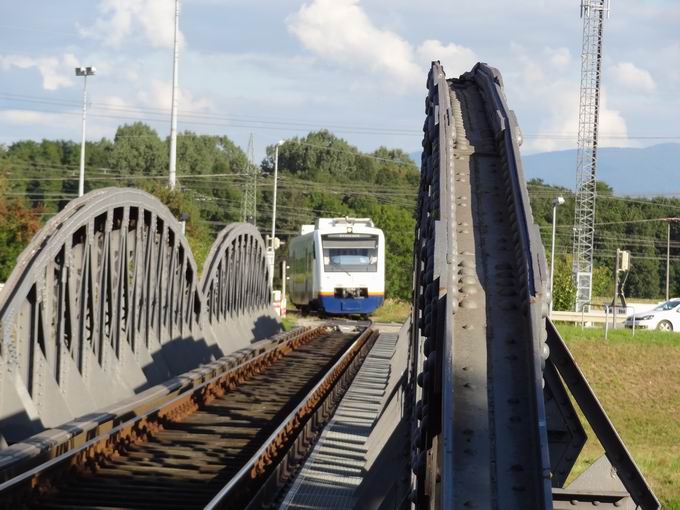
(604,317)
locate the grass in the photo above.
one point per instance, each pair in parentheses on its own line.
(289,322)
(637,380)
(393,310)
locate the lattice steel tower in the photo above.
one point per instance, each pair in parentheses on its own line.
(249,204)
(593,13)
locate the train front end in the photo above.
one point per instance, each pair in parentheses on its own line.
(351,266)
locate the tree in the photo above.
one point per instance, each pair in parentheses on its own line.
(181,205)
(18,224)
(564,289)
(603,281)
(138,150)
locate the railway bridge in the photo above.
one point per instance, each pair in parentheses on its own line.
(130,379)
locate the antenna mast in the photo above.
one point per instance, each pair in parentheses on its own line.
(593,13)
(249,205)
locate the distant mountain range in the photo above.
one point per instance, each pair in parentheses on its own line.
(629,171)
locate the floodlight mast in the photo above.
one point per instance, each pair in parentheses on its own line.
(593,13)
(84,72)
(557,201)
(172,170)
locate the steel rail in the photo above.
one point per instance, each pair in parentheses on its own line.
(120,434)
(19,457)
(292,422)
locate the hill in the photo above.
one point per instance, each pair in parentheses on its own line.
(621,168)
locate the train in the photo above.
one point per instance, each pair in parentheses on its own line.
(337,267)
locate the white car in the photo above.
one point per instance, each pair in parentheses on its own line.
(665,317)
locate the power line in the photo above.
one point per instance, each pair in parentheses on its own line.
(268,123)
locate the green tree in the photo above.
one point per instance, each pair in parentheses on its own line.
(564,289)
(603,282)
(138,150)
(181,205)
(18,224)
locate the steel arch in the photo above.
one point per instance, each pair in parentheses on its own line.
(235,284)
(105,302)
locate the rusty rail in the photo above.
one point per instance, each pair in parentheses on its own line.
(33,468)
(294,434)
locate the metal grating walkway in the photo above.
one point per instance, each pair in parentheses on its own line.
(334,471)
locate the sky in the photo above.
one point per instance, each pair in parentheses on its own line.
(280,68)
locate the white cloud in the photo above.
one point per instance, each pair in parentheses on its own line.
(123,19)
(341,32)
(30,118)
(159,95)
(533,86)
(456,59)
(560,127)
(55,71)
(559,58)
(631,77)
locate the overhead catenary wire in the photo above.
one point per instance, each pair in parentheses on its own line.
(160,115)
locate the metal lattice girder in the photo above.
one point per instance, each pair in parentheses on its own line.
(105,302)
(575,382)
(566,436)
(593,12)
(235,283)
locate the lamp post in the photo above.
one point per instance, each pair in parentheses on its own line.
(272,247)
(84,72)
(668,253)
(172,170)
(556,201)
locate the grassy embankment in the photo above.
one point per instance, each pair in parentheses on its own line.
(637,380)
(394,310)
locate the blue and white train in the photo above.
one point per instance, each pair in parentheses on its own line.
(337,266)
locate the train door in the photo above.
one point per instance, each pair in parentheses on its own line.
(309,271)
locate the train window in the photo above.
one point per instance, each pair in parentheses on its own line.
(350,254)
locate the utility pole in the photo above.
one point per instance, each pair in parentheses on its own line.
(668,253)
(249,204)
(556,202)
(668,258)
(172,174)
(593,13)
(272,240)
(84,72)
(622,264)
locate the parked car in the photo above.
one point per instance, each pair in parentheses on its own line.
(665,317)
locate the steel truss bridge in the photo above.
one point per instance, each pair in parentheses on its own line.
(129,381)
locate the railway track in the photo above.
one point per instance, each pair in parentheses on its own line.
(215,445)
(479,438)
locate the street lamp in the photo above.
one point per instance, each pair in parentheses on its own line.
(668,253)
(84,72)
(555,202)
(172,160)
(271,247)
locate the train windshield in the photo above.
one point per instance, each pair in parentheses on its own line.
(350,253)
